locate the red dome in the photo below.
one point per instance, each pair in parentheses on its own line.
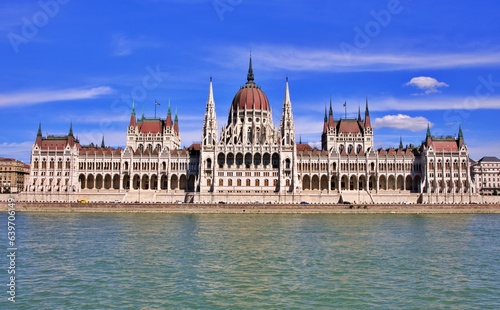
(250,97)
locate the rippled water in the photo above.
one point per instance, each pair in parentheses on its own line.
(244,261)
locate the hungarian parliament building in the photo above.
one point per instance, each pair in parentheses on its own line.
(250,160)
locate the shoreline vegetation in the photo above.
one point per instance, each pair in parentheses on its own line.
(253,208)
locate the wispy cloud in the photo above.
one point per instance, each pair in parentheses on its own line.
(18,150)
(427,84)
(401,121)
(122,45)
(294,58)
(442,103)
(40,96)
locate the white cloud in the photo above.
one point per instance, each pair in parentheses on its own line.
(451,104)
(41,96)
(292,58)
(426,83)
(122,45)
(402,121)
(17,150)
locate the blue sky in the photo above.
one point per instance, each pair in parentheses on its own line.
(418,62)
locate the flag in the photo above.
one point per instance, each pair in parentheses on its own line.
(345,102)
(157,103)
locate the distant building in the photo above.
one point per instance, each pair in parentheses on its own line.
(12,175)
(486,175)
(252,160)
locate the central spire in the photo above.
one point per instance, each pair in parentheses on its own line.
(250,77)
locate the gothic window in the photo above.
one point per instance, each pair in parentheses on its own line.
(248,182)
(266,159)
(249,135)
(221,182)
(257,182)
(141,148)
(341,148)
(349,149)
(209,163)
(150,148)
(239,159)
(287,163)
(266,182)
(238,182)
(276,160)
(256,159)
(359,148)
(220,160)
(230,159)
(248,160)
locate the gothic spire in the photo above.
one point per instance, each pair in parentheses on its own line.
(39,133)
(209,136)
(176,122)
(287,126)
(359,114)
(70,129)
(400,143)
(367,115)
(102,142)
(428,134)
(250,77)
(460,133)
(325,114)
(331,110)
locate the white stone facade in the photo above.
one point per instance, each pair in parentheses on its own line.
(251,160)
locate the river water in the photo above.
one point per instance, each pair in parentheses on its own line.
(253,261)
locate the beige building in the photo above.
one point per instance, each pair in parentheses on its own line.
(250,159)
(12,175)
(486,175)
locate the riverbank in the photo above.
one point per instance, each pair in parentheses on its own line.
(255,208)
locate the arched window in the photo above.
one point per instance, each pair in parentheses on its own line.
(349,149)
(248,160)
(359,148)
(209,163)
(220,160)
(341,148)
(276,160)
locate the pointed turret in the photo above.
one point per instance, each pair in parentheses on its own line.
(142,117)
(102,142)
(359,114)
(400,143)
(250,77)
(209,134)
(168,121)
(39,135)
(461,140)
(71,138)
(133,120)
(428,136)
(287,126)
(176,123)
(367,115)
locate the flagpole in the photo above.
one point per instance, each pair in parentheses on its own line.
(155,108)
